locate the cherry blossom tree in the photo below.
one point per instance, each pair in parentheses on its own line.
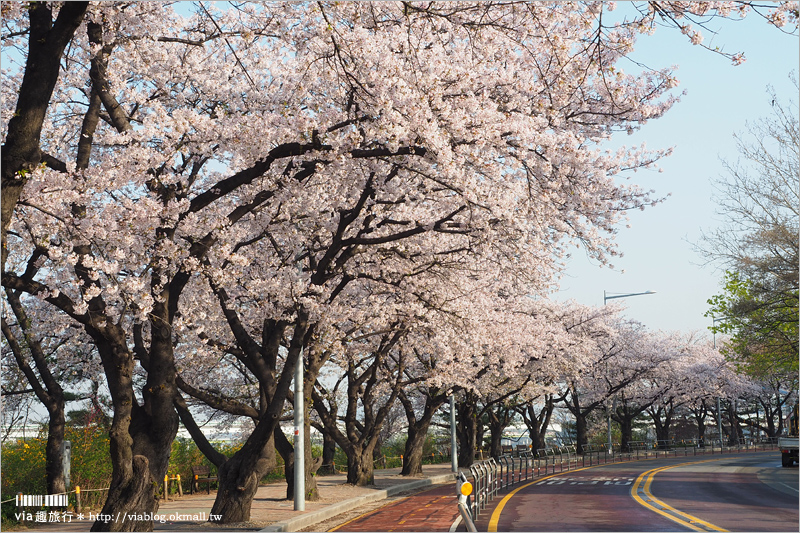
(669,359)
(538,422)
(708,374)
(611,364)
(56,362)
(47,40)
(371,393)
(768,397)
(419,421)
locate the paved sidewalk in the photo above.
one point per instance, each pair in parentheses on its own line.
(271,511)
(434,509)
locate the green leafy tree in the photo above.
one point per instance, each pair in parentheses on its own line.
(758,245)
(762,324)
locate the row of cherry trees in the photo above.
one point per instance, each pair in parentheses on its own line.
(386,190)
(636,377)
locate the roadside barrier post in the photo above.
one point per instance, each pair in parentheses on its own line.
(463,491)
(477,489)
(463,488)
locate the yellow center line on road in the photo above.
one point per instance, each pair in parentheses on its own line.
(493,521)
(691,520)
(641,493)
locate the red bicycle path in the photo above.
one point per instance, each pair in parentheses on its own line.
(432,510)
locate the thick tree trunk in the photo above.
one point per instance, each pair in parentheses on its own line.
(417,433)
(735,436)
(699,415)
(54,457)
(367,409)
(270,456)
(155,425)
(131,500)
(537,424)
(495,439)
(286,449)
(240,475)
(581,431)
(328,452)
(412,456)
(626,430)
(140,436)
(360,469)
(238,482)
(466,432)
(624,414)
(537,439)
(769,417)
(499,418)
(662,429)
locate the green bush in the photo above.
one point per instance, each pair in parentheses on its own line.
(24,461)
(24,466)
(185,454)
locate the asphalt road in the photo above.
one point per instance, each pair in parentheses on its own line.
(739,492)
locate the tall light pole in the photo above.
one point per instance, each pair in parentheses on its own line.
(606,298)
(299,438)
(453,441)
(719,402)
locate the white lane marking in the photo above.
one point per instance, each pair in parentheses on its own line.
(602,481)
(789,487)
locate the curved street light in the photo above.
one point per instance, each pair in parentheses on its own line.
(606,298)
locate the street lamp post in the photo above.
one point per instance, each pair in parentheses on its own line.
(719,401)
(606,298)
(453,441)
(299,436)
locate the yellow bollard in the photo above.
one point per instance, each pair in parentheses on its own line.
(77,498)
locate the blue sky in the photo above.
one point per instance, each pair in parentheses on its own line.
(721,99)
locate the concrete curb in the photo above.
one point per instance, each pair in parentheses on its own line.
(299,522)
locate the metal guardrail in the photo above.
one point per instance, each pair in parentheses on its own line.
(492,475)
(464,491)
